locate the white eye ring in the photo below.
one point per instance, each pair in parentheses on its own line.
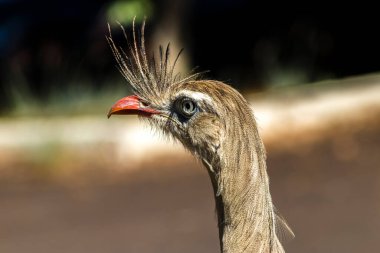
(187,107)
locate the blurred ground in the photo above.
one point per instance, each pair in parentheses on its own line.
(88,184)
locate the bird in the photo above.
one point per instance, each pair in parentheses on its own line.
(217,125)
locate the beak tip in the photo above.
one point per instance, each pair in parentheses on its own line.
(109,114)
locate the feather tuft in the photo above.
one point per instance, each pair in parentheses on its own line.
(148,79)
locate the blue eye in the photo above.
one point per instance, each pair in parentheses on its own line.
(186,107)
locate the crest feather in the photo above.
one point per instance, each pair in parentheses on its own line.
(147,78)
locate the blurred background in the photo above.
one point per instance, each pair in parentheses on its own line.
(73,181)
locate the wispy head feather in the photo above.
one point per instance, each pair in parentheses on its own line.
(148,78)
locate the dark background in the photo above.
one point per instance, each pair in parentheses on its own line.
(51,44)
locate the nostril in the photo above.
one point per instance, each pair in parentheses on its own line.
(144,104)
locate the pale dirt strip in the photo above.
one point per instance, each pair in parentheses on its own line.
(280,114)
(305,114)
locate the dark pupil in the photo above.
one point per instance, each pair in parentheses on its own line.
(187,106)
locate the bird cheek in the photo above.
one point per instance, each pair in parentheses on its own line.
(206,136)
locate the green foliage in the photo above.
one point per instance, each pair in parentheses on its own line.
(125,11)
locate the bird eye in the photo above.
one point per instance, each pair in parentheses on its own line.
(186,107)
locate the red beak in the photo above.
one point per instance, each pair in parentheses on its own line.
(131,105)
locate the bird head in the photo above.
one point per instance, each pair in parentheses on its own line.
(187,111)
(198,113)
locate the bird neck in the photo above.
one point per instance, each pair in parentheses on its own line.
(246,217)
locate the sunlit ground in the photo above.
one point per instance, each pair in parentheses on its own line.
(92,184)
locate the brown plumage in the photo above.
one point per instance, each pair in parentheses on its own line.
(214,122)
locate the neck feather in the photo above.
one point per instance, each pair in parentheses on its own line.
(246,217)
